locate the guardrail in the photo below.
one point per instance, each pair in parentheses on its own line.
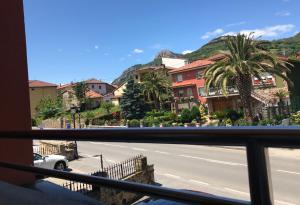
(255,139)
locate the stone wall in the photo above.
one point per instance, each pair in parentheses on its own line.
(61,123)
(65,148)
(118,197)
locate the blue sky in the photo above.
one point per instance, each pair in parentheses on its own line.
(71,40)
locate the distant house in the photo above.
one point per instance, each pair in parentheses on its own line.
(117,94)
(93,84)
(99,86)
(189,87)
(96,91)
(298,55)
(70,99)
(39,90)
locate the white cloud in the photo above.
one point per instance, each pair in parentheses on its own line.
(186,52)
(283,13)
(236,24)
(96,47)
(212,33)
(122,58)
(272,31)
(129,55)
(136,50)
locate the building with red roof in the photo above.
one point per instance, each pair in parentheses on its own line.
(188,86)
(39,90)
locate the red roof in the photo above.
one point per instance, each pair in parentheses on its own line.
(66,85)
(93,94)
(184,83)
(38,83)
(93,80)
(193,65)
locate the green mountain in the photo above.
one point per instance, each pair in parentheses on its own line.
(287,47)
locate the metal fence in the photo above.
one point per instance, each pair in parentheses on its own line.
(117,171)
(257,140)
(124,169)
(80,187)
(46,150)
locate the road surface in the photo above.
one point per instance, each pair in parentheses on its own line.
(216,170)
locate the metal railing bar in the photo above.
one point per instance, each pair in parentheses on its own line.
(149,190)
(237,136)
(259,173)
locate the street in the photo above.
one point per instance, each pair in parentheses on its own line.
(215,170)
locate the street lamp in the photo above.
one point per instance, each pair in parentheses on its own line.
(73,112)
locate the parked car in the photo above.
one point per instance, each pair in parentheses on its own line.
(58,162)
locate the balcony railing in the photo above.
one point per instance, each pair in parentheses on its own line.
(255,139)
(214,92)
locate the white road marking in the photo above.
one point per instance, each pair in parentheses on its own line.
(214,161)
(284,202)
(161,152)
(139,149)
(107,144)
(171,175)
(97,143)
(236,191)
(199,182)
(289,172)
(110,161)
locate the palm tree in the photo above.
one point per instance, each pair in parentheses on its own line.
(245,58)
(281,94)
(157,87)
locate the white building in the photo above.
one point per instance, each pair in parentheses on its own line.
(174,62)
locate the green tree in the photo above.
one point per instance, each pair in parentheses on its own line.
(186,116)
(107,106)
(156,87)
(80,90)
(48,108)
(245,58)
(132,102)
(195,114)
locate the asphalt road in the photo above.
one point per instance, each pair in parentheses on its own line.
(215,170)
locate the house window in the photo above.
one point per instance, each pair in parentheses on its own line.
(100,87)
(189,92)
(178,77)
(181,93)
(136,77)
(93,86)
(201,91)
(199,75)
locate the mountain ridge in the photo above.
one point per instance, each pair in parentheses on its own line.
(285,46)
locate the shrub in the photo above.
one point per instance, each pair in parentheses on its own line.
(107,106)
(134,123)
(219,115)
(98,122)
(116,115)
(233,115)
(33,123)
(295,119)
(195,114)
(185,116)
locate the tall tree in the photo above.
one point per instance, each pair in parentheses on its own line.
(80,90)
(157,87)
(245,57)
(132,102)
